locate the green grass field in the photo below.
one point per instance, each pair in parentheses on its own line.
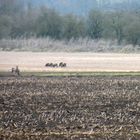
(43,74)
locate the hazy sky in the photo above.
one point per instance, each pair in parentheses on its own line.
(80,7)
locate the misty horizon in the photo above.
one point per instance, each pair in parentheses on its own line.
(82,7)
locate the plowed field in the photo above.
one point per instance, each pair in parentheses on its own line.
(70,108)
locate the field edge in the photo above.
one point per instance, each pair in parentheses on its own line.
(69,74)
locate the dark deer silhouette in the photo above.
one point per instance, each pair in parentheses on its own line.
(55,65)
(15,71)
(61,64)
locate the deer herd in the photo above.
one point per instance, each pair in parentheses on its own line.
(16,71)
(56,65)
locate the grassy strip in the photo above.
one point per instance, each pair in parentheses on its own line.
(78,74)
(81,74)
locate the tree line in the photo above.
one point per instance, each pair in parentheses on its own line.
(18,20)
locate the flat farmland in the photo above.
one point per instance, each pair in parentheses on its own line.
(82,62)
(70,108)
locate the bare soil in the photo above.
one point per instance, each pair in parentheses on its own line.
(28,61)
(70,108)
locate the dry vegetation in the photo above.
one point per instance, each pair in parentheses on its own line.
(52,45)
(100,108)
